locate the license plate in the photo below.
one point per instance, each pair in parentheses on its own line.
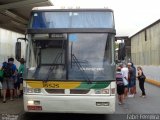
(102,103)
(34,107)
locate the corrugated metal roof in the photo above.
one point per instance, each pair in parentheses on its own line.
(15,14)
(156,22)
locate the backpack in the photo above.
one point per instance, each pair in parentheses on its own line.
(8,70)
(119,78)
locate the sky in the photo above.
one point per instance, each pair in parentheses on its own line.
(130,15)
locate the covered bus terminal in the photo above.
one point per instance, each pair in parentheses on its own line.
(14,16)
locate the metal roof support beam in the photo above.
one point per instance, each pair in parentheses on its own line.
(20,4)
(18,24)
(14,16)
(13,23)
(12,29)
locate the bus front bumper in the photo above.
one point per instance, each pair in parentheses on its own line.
(69,104)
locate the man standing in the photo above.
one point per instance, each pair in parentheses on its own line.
(8,81)
(124,71)
(134,73)
(131,80)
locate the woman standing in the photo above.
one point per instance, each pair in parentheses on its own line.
(141,78)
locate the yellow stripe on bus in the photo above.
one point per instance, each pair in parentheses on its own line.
(50,84)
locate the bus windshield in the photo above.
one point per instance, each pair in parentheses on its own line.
(77,57)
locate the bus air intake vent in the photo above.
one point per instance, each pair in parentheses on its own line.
(55,91)
(75,91)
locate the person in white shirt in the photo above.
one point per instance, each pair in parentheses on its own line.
(124,71)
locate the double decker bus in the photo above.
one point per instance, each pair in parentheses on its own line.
(70,64)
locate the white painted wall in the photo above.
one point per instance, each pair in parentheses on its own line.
(7,45)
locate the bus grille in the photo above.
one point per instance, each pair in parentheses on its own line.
(74,91)
(62,91)
(55,91)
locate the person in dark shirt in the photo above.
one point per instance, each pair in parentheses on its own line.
(120,85)
(134,79)
(141,78)
(131,80)
(8,80)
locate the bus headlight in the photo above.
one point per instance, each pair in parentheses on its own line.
(33,102)
(105,91)
(102,91)
(33,90)
(37,90)
(29,90)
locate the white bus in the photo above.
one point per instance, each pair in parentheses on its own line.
(70,66)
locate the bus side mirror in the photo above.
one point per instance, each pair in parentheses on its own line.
(18,51)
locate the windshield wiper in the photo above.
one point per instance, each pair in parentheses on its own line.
(81,68)
(53,66)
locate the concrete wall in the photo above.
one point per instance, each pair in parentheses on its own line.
(7,45)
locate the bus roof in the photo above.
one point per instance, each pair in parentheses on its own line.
(63,9)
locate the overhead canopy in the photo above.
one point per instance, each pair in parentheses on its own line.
(14,14)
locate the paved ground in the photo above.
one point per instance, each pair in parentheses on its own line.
(139,105)
(149,105)
(11,107)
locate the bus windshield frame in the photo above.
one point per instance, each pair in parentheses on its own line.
(79,57)
(89,39)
